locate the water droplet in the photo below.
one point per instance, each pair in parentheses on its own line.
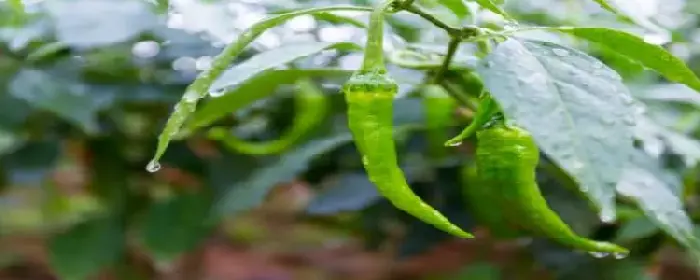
(560,52)
(599,255)
(627,99)
(365,160)
(190,96)
(629,120)
(597,64)
(619,256)
(454,144)
(153,166)
(576,165)
(607,216)
(217,93)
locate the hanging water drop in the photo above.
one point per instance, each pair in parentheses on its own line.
(365,160)
(619,256)
(190,96)
(217,93)
(599,255)
(153,166)
(454,143)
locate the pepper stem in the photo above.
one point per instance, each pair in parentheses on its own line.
(374,48)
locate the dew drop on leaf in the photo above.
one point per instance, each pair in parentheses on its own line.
(190,96)
(619,256)
(629,120)
(599,255)
(561,52)
(153,166)
(454,144)
(217,93)
(597,65)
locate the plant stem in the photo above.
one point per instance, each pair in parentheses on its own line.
(451,51)
(374,50)
(457,95)
(432,19)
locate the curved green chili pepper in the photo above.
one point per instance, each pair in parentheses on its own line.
(487,108)
(369,94)
(311,106)
(506,158)
(439,109)
(482,204)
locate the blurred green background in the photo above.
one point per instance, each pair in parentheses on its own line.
(87,85)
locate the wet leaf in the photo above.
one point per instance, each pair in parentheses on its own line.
(201,86)
(576,108)
(652,188)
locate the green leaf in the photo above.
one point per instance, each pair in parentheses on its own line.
(338,19)
(256,88)
(576,108)
(493,7)
(652,188)
(270,59)
(650,55)
(201,86)
(458,7)
(251,192)
(351,192)
(638,228)
(86,249)
(69,100)
(175,225)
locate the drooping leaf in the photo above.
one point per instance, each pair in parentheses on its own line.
(176,225)
(256,88)
(200,87)
(576,108)
(86,249)
(351,192)
(652,188)
(270,59)
(651,56)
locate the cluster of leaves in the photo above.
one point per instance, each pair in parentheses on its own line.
(83,91)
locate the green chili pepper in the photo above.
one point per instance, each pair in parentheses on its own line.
(369,94)
(481,203)
(506,158)
(311,106)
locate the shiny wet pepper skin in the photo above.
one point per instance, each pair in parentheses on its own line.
(369,95)
(506,158)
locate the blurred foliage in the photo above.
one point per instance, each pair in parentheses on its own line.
(86,86)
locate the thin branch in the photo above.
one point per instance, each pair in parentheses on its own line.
(451,51)
(432,19)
